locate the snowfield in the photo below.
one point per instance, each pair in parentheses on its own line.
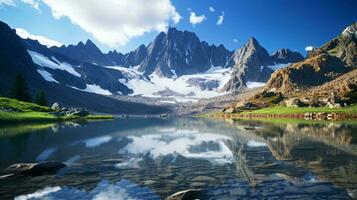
(186,88)
(181,88)
(254,84)
(278,66)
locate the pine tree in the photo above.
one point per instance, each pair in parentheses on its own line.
(20,89)
(41,98)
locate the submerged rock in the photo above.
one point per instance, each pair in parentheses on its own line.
(36,168)
(185,195)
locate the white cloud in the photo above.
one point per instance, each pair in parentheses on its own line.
(196,19)
(211,9)
(235,40)
(41,39)
(34,3)
(220,19)
(7,2)
(114,22)
(309,48)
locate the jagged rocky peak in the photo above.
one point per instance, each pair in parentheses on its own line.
(284,56)
(176,53)
(250,63)
(254,53)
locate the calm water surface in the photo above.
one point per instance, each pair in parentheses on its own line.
(154,158)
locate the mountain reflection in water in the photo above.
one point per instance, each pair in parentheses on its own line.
(154,158)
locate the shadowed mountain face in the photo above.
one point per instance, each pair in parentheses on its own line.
(87,52)
(15,59)
(324,64)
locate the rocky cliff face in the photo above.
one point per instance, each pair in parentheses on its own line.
(250,63)
(324,64)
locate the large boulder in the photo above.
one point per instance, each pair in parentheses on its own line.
(294,103)
(47,167)
(55,106)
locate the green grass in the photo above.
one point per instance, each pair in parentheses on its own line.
(17,117)
(22,106)
(284,110)
(31,112)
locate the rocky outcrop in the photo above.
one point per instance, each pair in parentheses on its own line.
(324,64)
(63,111)
(313,71)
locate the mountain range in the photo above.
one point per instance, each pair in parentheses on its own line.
(175,64)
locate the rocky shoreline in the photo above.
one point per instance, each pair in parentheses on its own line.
(306,116)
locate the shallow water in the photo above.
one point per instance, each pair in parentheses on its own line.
(154,158)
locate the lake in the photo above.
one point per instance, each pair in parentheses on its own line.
(139,158)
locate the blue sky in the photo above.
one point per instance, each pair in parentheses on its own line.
(276,24)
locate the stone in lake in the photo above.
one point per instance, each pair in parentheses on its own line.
(185,195)
(36,168)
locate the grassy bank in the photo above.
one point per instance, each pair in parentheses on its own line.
(24,112)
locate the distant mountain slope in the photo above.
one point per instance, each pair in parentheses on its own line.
(76,74)
(286,56)
(87,52)
(324,64)
(15,59)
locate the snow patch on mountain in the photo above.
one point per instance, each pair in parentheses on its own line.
(255,84)
(44,61)
(93,88)
(47,76)
(278,66)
